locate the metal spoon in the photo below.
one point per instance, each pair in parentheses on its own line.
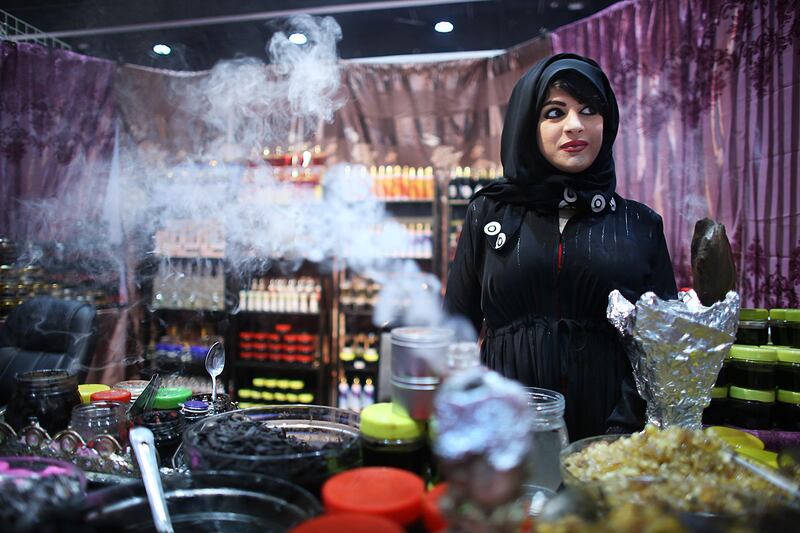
(215,364)
(144,448)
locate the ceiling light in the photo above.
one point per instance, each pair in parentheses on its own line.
(162,49)
(443,26)
(575,6)
(298,38)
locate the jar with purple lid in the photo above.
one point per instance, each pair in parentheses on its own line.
(194,410)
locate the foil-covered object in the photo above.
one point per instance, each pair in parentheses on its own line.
(676,348)
(481,413)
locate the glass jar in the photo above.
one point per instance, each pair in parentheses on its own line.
(751,409)
(389,438)
(787,410)
(171,398)
(784,325)
(194,410)
(87,389)
(752,367)
(101,418)
(753,327)
(167,428)
(717,411)
(788,370)
(549,436)
(43,396)
(134,386)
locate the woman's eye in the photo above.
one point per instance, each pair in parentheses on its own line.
(588,110)
(553,113)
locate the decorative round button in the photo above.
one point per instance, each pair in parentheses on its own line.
(492,228)
(598,203)
(570,195)
(613,204)
(501,240)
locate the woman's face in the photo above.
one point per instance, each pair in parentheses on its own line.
(570,133)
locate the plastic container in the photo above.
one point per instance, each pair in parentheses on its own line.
(31,488)
(348,523)
(87,389)
(549,435)
(785,327)
(717,411)
(170,398)
(45,397)
(787,410)
(101,418)
(751,409)
(788,369)
(386,492)
(752,367)
(333,433)
(167,427)
(112,395)
(753,327)
(206,501)
(389,438)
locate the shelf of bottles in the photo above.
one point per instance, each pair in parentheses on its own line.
(302,168)
(282,295)
(358,341)
(30,269)
(279,343)
(396,183)
(271,389)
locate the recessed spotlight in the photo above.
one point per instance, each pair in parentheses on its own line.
(162,49)
(298,38)
(443,26)
(575,6)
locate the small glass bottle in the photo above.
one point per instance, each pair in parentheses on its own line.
(101,418)
(194,411)
(549,436)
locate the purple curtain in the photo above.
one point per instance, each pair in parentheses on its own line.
(709,92)
(56,136)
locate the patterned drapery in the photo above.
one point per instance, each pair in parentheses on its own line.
(709,92)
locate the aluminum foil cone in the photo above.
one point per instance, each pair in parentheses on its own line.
(676,349)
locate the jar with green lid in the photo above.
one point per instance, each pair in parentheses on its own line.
(389,438)
(750,409)
(168,398)
(752,367)
(786,329)
(753,327)
(717,411)
(788,370)
(777,327)
(787,411)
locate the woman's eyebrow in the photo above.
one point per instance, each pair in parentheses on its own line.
(556,102)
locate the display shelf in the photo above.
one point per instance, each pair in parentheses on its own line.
(272,365)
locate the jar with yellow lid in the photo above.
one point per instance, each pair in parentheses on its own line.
(785,327)
(752,367)
(787,410)
(753,327)
(87,389)
(751,409)
(390,438)
(717,411)
(788,369)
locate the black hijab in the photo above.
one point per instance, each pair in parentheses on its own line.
(529,180)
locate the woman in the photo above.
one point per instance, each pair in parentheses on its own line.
(543,247)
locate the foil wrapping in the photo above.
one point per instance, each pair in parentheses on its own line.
(478,412)
(676,349)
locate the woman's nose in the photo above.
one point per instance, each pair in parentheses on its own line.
(573,122)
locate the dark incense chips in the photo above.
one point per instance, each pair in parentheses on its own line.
(241,435)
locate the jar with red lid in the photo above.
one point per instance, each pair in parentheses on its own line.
(112,395)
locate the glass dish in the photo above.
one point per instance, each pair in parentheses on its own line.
(35,489)
(333,433)
(206,501)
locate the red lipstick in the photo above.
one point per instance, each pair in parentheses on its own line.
(574,146)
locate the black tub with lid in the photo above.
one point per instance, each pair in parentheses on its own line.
(751,409)
(752,367)
(753,327)
(787,410)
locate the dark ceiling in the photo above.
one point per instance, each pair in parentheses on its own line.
(478,25)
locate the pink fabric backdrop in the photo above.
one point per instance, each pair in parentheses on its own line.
(710,125)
